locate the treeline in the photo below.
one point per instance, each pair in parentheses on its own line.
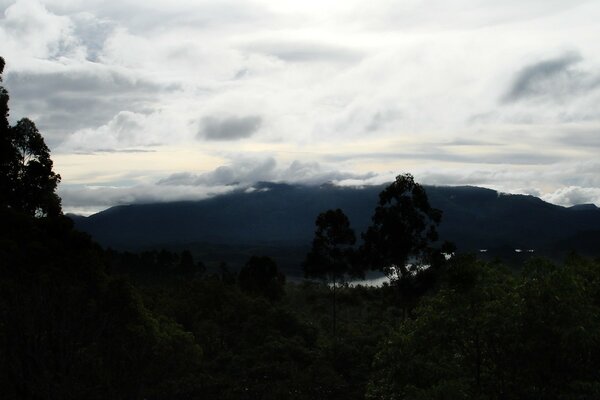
(75,326)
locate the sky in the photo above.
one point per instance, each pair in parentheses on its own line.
(183,99)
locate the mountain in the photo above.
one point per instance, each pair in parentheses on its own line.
(278,216)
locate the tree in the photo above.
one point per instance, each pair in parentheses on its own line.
(402,231)
(6,150)
(35,182)
(186,265)
(331,254)
(490,333)
(460,343)
(261,276)
(332,248)
(27,182)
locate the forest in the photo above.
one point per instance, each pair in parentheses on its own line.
(79,321)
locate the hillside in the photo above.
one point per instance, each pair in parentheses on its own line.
(279,216)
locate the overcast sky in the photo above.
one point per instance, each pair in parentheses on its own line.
(162,100)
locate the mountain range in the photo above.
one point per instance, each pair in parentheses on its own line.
(273,217)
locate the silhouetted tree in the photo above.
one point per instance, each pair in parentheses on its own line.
(166,260)
(261,276)
(35,182)
(186,264)
(6,149)
(227,276)
(330,257)
(403,228)
(27,181)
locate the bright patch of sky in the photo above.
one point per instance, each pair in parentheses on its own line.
(165,100)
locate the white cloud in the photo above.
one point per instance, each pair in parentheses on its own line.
(86,200)
(126,130)
(382,86)
(244,173)
(571,195)
(247,171)
(30,29)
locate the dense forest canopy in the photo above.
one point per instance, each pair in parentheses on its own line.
(81,321)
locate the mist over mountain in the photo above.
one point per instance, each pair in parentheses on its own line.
(276,216)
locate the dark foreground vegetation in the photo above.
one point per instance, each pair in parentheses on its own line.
(81,322)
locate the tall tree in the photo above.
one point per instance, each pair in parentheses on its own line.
(330,257)
(6,149)
(28,183)
(35,181)
(404,225)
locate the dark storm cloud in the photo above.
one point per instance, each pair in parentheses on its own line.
(553,79)
(229,128)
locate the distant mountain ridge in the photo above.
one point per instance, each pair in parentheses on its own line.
(277,214)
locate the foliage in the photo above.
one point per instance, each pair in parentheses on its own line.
(27,181)
(261,276)
(69,330)
(490,335)
(330,256)
(403,228)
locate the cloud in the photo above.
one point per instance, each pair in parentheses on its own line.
(92,33)
(435,15)
(304,51)
(243,173)
(229,128)
(586,138)
(152,16)
(30,28)
(380,86)
(573,195)
(315,173)
(250,171)
(125,130)
(66,99)
(447,154)
(86,200)
(564,183)
(552,79)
